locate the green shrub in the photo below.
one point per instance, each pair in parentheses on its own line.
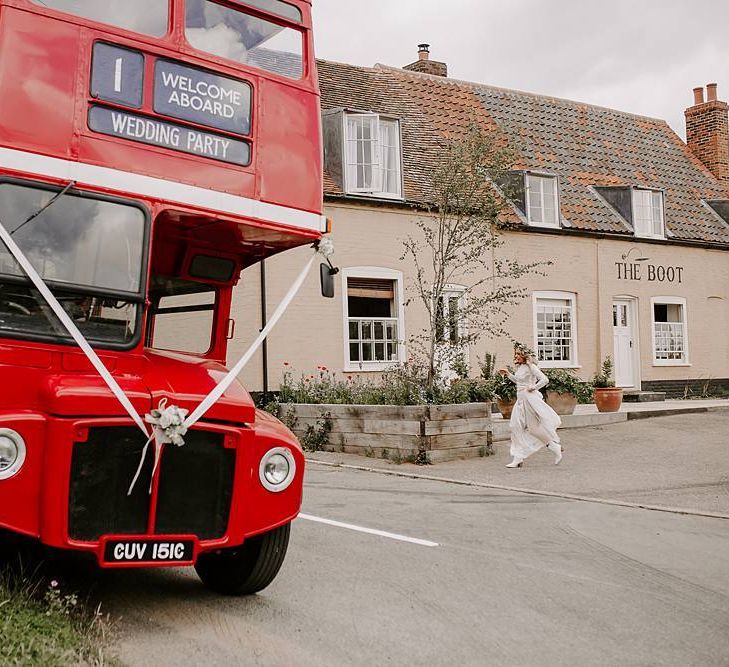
(403,385)
(604,379)
(502,387)
(565,381)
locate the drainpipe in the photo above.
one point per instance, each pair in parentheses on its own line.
(264,321)
(598,328)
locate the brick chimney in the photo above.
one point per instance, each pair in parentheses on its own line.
(707,132)
(425,65)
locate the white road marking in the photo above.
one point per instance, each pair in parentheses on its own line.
(369,531)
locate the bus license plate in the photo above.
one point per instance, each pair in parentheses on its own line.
(149,551)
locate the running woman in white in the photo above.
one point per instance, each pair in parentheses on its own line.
(533,423)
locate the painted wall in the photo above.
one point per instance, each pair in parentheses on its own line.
(311,333)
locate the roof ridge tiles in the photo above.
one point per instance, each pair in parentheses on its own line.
(539,96)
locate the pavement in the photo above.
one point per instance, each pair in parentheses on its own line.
(679,461)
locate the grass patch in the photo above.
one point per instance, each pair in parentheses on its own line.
(41,624)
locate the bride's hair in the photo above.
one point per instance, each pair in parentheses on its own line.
(525,352)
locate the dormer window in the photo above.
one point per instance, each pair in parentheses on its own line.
(542,198)
(372,155)
(648,214)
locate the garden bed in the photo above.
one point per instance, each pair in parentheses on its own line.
(408,433)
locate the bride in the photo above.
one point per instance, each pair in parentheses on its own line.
(533,423)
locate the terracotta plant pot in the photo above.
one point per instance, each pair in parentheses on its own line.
(505,407)
(562,404)
(608,399)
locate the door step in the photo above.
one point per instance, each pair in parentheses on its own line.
(643,396)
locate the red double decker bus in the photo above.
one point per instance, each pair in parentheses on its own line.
(149,151)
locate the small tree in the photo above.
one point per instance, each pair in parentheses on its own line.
(457,243)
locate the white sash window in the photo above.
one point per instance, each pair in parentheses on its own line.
(555,329)
(542,200)
(670,338)
(373,163)
(648,214)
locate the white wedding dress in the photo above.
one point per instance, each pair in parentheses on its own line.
(533,423)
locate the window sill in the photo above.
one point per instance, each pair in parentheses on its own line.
(369,366)
(375,195)
(547,364)
(543,225)
(663,364)
(660,237)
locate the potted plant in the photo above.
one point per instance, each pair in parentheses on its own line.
(505,392)
(565,390)
(608,397)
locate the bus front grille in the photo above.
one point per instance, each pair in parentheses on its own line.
(194,494)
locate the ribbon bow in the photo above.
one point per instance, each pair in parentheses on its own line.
(168,427)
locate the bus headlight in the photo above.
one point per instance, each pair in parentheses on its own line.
(277,469)
(12,452)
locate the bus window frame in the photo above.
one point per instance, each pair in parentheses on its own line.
(139,298)
(154,309)
(77,19)
(302,28)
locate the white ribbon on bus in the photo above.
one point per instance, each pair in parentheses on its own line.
(169,423)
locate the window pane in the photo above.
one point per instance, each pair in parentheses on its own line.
(238,36)
(379,351)
(657,213)
(282,9)
(185,331)
(24,311)
(366,351)
(354,352)
(78,241)
(669,330)
(642,212)
(366,330)
(354,330)
(555,335)
(145,16)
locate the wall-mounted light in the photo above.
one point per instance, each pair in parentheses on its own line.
(626,255)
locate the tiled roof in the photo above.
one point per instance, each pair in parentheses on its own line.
(584,145)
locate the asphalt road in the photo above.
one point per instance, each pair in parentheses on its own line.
(514,580)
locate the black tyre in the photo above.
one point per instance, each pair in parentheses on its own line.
(248,568)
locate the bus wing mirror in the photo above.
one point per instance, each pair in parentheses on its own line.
(327,273)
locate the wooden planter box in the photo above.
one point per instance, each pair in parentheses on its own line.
(400,433)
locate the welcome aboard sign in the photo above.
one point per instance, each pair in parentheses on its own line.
(181,92)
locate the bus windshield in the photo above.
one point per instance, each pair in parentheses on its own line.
(91,253)
(76,241)
(236,35)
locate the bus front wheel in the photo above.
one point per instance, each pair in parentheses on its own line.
(248,568)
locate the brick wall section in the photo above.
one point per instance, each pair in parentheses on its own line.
(688,388)
(428,67)
(707,135)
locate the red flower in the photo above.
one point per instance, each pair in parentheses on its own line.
(323,368)
(286,363)
(349,377)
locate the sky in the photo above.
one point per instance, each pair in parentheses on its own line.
(641,56)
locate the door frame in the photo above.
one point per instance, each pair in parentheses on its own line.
(632,303)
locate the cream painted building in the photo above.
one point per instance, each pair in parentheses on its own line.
(635,222)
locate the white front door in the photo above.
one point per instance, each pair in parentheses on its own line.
(626,371)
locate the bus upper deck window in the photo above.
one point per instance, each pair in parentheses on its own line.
(149,17)
(233,34)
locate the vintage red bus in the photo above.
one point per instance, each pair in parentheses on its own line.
(149,151)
